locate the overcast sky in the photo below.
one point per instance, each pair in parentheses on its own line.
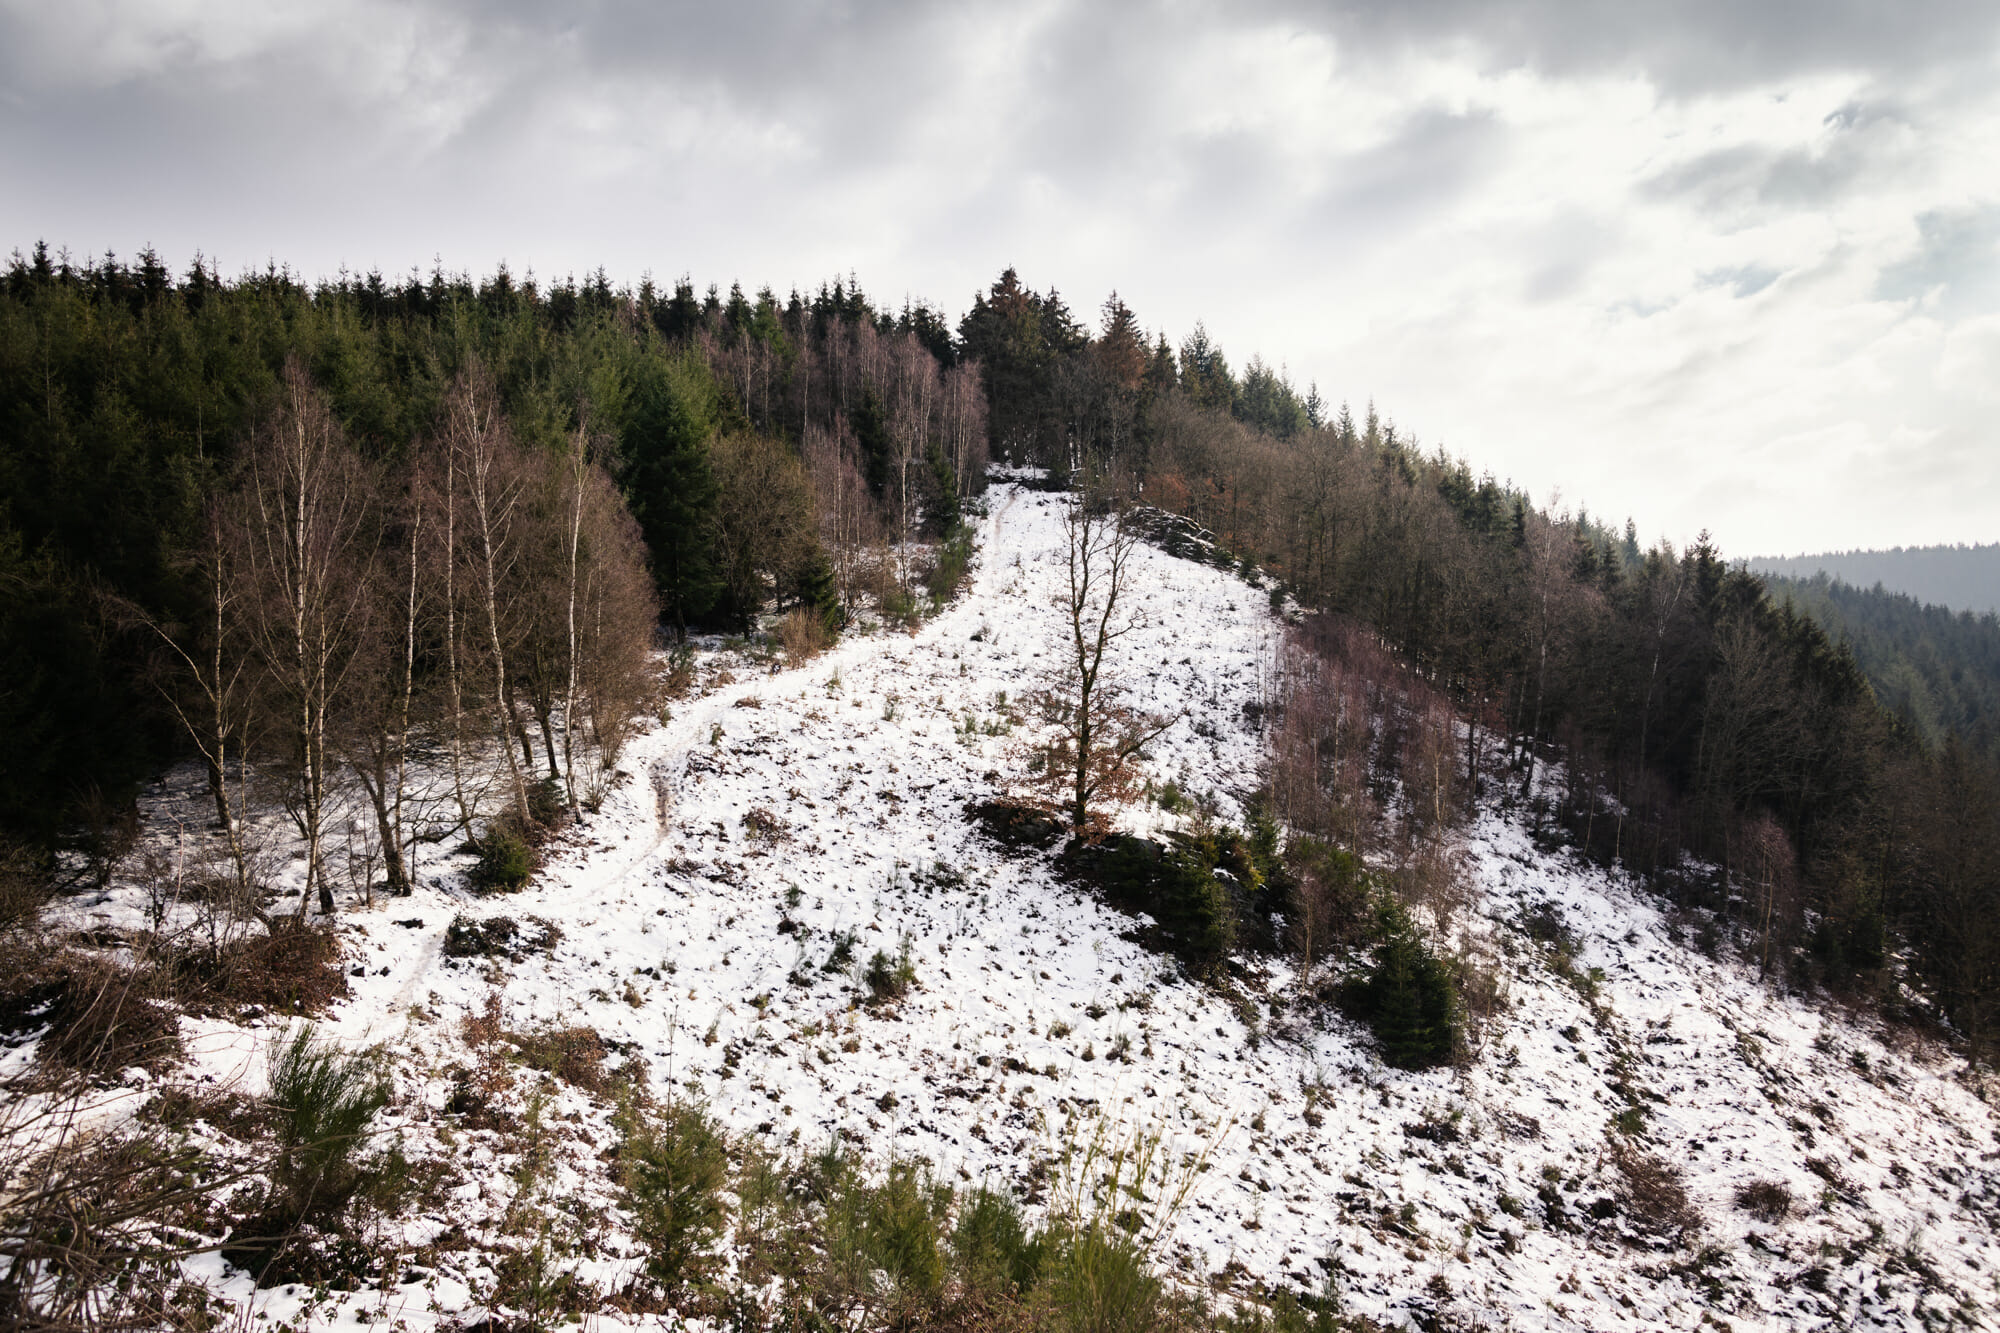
(1731,264)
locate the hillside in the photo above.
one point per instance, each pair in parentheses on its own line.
(1962,578)
(697,464)
(1938,670)
(1644,1135)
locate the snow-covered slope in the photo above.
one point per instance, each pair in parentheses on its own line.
(778,815)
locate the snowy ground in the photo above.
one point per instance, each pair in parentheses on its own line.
(694,935)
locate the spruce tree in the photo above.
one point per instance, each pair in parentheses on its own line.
(871,431)
(1410,998)
(671,485)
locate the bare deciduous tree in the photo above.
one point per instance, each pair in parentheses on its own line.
(618,612)
(304,542)
(377,726)
(206,682)
(1323,758)
(486,463)
(1097,734)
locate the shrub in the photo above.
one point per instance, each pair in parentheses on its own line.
(900,1221)
(1101,1282)
(880,1247)
(675,1164)
(24,886)
(1328,892)
(498,937)
(100,1020)
(83,1240)
(841,956)
(1175,883)
(1409,997)
(324,1099)
(1200,908)
(953,558)
(293,968)
(1653,1194)
(1017,825)
(573,1054)
(761,825)
(505,859)
(679,676)
(901,608)
(548,805)
(1310,1313)
(466,938)
(891,978)
(1195,909)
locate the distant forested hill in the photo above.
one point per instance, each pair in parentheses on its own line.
(1964,578)
(1937,669)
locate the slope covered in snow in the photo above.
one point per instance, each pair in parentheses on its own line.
(712,919)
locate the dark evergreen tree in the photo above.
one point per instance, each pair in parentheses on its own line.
(1410,997)
(1267,402)
(670,485)
(871,432)
(1205,374)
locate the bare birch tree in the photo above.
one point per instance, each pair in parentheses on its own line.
(304,534)
(576,477)
(486,462)
(206,683)
(376,735)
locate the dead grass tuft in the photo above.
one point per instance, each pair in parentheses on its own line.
(573,1054)
(803,635)
(24,888)
(1765,1200)
(1653,1194)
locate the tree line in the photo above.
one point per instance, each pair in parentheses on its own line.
(1963,578)
(415,540)
(1936,670)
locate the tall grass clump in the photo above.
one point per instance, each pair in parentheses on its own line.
(1118,1199)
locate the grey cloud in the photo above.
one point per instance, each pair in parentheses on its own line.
(1556,280)
(1957,259)
(848,79)
(1685,45)
(1434,159)
(1559,253)
(1724,175)
(1865,144)
(1100,96)
(1689,47)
